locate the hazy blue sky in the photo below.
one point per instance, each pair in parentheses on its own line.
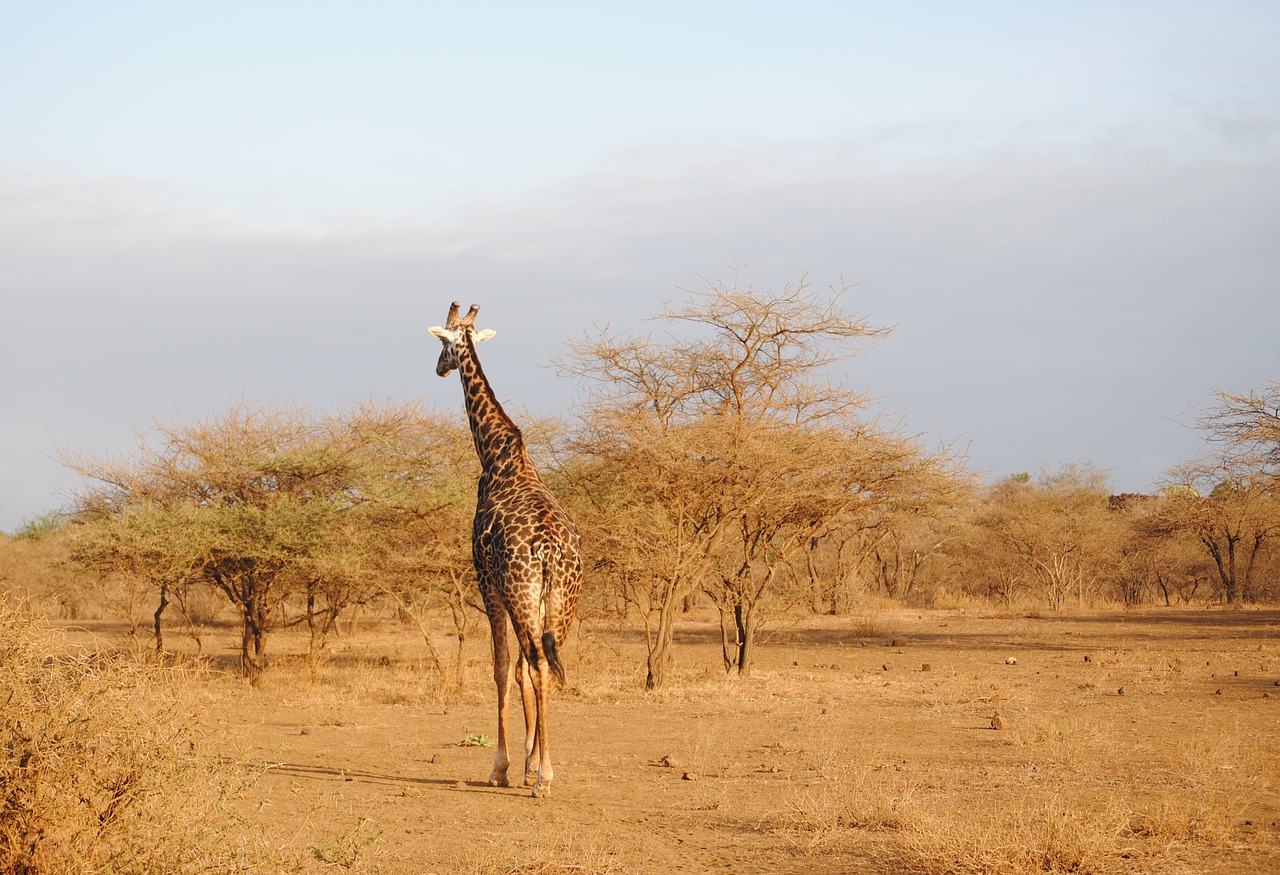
(1071,212)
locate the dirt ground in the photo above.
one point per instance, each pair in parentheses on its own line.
(939,741)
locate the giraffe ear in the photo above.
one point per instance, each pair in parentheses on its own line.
(484,335)
(437,331)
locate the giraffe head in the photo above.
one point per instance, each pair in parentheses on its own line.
(452,334)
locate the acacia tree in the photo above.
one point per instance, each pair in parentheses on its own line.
(1245,426)
(807,481)
(1227,498)
(141,543)
(247,502)
(1157,552)
(909,538)
(1051,534)
(412,536)
(1231,509)
(718,447)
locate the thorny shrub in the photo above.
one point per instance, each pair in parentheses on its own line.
(101,768)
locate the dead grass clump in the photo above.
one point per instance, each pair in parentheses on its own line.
(563,855)
(1183,820)
(101,769)
(364,679)
(872,626)
(552,867)
(1051,836)
(852,796)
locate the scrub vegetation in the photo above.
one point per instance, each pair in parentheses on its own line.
(809,640)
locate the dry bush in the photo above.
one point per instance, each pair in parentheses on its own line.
(356,676)
(37,569)
(871,626)
(101,768)
(1053,835)
(852,796)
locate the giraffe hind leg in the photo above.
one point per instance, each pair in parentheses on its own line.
(529,701)
(542,692)
(501,679)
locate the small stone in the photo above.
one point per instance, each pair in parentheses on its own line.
(689,776)
(306,730)
(1088,658)
(1011,660)
(1120,692)
(669,762)
(884,667)
(461,785)
(926,667)
(435,759)
(898,642)
(997,722)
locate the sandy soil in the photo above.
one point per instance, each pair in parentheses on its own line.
(1137,741)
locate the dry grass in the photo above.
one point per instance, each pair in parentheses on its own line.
(1040,835)
(111,764)
(852,796)
(559,851)
(1074,817)
(103,768)
(821,755)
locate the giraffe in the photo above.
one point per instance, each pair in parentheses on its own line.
(526,554)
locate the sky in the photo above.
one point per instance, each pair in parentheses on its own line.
(1069,213)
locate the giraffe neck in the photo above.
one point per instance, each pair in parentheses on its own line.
(498,441)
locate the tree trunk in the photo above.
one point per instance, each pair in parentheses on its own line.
(315,639)
(457,606)
(743,620)
(253,645)
(660,645)
(164,603)
(1226,565)
(728,639)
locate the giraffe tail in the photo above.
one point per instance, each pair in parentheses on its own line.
(553,656)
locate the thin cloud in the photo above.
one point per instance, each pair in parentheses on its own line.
(1052,303)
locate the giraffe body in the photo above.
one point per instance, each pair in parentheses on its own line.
(526,555)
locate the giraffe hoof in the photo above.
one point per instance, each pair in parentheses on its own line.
(541,791)
(496,780)
(531,779)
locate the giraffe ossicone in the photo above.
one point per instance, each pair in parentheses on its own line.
(526,553)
